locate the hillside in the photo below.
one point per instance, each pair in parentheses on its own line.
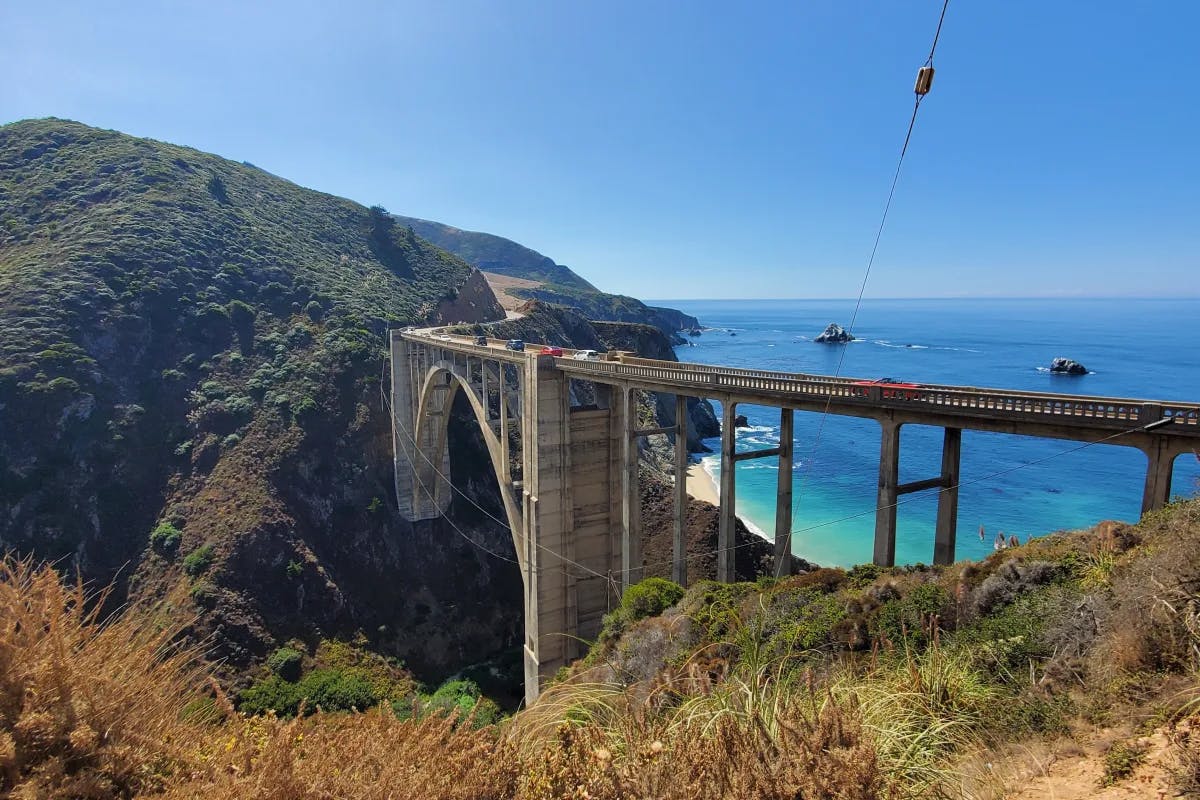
(492,253)
(190,352)
(555,283)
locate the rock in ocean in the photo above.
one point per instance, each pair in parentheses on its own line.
(834,334)
(1066,366)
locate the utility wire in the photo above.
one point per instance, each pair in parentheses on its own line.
(887,207)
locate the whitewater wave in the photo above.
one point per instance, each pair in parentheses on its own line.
(886,343)
(756,429)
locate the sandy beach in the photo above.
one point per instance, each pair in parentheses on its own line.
(700,484)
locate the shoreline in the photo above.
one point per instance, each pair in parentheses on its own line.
(703,486)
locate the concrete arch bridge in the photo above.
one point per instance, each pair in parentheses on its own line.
(568,476)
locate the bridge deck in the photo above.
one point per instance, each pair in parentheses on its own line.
(1045,413)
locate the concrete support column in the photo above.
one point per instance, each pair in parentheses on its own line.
(947,512)
(1159,472)
(783,497)
(728,516)
(679,540)
(551,618)
(885,503)
(631,496)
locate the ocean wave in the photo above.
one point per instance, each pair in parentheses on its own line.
(886,343)
(757,429)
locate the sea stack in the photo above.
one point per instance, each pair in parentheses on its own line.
(834,334)
(1065,366)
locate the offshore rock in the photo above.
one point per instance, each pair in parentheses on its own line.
(740,421)
(1066,366)
(834,334)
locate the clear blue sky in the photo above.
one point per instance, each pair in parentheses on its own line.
(686,149)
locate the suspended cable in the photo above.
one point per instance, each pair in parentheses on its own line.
(923,85)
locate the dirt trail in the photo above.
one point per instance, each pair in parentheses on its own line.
(1073,771)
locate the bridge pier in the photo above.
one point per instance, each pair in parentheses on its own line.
(631,495)
(783,497)
(728,499)
(1159,471)
(679,537)
(885,502)
(947,512)
(551,610)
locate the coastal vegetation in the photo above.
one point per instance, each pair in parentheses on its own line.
(867,683)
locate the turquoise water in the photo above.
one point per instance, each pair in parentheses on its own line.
(1135,348)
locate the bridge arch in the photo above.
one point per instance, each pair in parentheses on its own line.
(441,384)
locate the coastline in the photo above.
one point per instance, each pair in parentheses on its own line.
(701,485)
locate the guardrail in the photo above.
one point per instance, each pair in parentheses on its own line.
(702,379)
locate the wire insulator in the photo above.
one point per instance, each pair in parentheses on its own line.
(924,80)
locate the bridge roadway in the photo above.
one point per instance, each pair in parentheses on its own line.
(579,491)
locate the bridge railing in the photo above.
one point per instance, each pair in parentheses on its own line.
(1106,411)
(701,379)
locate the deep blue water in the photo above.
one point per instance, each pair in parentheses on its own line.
(1136,348)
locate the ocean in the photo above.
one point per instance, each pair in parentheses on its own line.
(1135,348)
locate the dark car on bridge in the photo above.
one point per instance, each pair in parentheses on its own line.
(516,345)
(481,340)
(892,389)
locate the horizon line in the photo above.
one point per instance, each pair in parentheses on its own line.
(866,299)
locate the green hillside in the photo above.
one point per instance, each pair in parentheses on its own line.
(190,352)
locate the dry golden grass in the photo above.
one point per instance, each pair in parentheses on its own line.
(113,709)
(86,710)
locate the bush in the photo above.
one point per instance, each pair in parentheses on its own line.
(199,560)
(286,663)
(165,537)
(270,694)
(648,598)
(336,690)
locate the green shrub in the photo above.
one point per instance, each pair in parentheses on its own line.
(906,619)
(270,694)
(458,697)
(647,598)
(336,690)
(286,662)
(294,569)
(199,560)
(1121,760)
(165,537)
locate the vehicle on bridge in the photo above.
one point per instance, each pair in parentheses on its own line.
(892,389)
(481,340)
(516,345)
(551,350)
(586,355)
